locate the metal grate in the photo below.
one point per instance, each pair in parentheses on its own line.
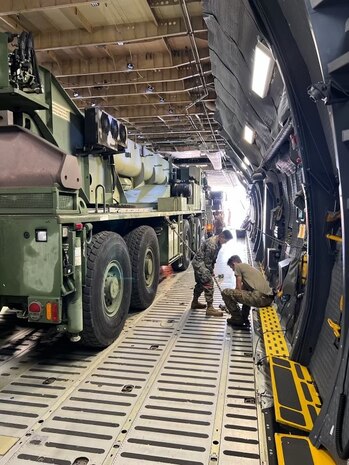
(273,334)
(66,202)
(159,394)
(175,423)
(240,445)
(26,200)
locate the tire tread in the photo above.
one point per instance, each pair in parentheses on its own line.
(88,335)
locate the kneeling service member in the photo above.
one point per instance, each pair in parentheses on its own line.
(252,290)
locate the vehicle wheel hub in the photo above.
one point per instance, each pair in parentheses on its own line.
(149,267)
(113,288)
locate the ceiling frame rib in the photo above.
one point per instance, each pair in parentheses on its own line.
(164,3)
(142,62)
(12,24)
(151,112)
(14,7)
(118,79)
(140,89)
(171,132)
(75,16)
(110,35)
(95,63)
(161,124)
(126,102)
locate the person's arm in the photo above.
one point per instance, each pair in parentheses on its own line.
(238,277)
(238,283)
(210,258)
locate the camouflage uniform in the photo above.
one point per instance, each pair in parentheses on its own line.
(232,297)
(203,264)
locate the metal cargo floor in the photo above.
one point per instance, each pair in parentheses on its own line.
(175,388)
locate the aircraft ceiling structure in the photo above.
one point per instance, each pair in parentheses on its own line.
(146,62)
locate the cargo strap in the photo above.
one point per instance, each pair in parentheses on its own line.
(298,450)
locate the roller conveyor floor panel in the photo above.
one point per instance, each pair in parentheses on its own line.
(175,388)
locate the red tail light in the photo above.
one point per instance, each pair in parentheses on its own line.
(55,312)
(35,307)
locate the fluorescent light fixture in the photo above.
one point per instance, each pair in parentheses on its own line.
(247,161)
(262,69)
(248,134)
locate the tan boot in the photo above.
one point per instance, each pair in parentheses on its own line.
(196,305)
(211,311)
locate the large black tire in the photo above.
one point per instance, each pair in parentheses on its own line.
(143,247)
(107,289)
(183,263)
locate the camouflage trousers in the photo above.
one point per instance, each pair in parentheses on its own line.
(204,283)
(232,297)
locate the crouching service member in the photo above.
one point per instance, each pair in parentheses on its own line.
(203,264)
(252,290)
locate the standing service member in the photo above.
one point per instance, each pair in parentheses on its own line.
(252,290)
(203,264)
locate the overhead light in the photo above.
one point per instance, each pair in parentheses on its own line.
(262,69)
(149,89)
(162,100)
(120,43)
(247,161)
(76,93)
(249,134)
(170,110)
(130,66)
(94,3)
(93,104)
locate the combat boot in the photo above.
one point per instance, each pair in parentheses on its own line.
(238,323)
(245,312)
(211,311)
(196,305)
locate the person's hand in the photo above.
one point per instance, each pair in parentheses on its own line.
(208,286)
